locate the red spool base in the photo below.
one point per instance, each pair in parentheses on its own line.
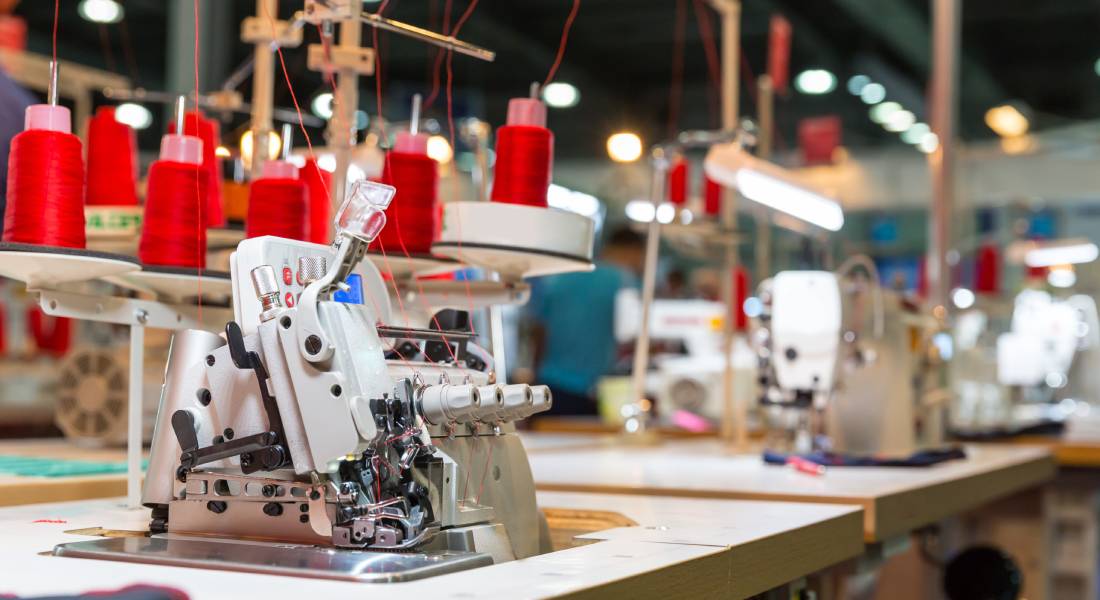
(525,159)
(45,190)
(413,218)
(112,161)
(278,207)
(173,233)
(319,183)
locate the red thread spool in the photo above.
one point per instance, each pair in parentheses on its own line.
(45,182)
(278,204)
(525,155)
(173,233)
(207,130)
(740,294)
(112,161)
(712,197)
(987,267)
(319,183)
(678,182)
(54,340)
(414,213)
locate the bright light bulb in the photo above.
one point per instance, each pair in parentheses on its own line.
(561,95)
(880,113)
(439,149)
(247,145)
(134,115)
(857,83)
(666,213)
(915,134)
(873,93)
(1062,276)
(624,147)
(322,105)
(1006,121)
(815,82)
(563,198)
(100,11)
(900,121)
(962,298)
(928,143)
(222,152)
(641,211)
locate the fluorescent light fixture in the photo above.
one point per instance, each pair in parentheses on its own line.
(815,81)
(1070,252)
(928,143)
(1062,277)
(856,84)
(915,133)
(873,93)
(134,115)
(772,186)
(624,147)
(962,298)
(100,11)
(322,105)
(880,113)
(563,198)
(900,121)
(641,211)
(439,149)
(561,95)
(1006,121)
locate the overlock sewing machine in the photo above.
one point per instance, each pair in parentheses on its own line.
(310,439)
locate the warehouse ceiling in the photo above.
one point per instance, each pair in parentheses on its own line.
(620,56)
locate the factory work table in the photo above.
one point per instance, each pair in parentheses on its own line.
(55,470)
(681,546)
(895,500)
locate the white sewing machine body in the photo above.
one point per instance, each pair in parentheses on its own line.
(303,425)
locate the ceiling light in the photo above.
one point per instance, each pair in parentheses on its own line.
(1074,252)
(772,186)
(962,298)
(1006,121)
(880,113)
(564,198)
(928,143)
(666,213)
(322,105)
(561,95)
(134,115)
(873,93)
(856,84)
(1062,276)
(100,11)
(624,147)
(815,81)
(439,149)
(247,144)
(915,133)
(900,121)
(641,211)
(222,152)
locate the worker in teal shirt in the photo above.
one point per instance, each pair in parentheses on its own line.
(574,316)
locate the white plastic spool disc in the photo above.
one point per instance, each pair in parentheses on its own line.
(177,283)
(46,266)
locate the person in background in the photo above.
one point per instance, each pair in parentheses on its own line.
(14,100)
(573,330)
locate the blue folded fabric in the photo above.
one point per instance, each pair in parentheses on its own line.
(33,466)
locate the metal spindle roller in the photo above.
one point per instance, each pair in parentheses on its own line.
(492,404)
(311,268)
(543,400)
(266,284)
(518,401)
(440,404)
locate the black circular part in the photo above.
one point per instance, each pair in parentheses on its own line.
(228,433)
(273,509)
(313,344)
(790,353)
(210,360)
(336,390)
(315,495)
(216,506)
(268,490)
(181,474)
(204,396)
(303,518)
(982,573)
(285,322)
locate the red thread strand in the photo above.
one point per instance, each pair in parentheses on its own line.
(564,40)
(413,215)
(45,190)
(172,233)
(195,124)
(318,181)
(525,157)
(279,207)
(112,161)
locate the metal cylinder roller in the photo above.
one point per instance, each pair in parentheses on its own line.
(543,400)
(266,284)
(518,401)
(440,404)
(492,404)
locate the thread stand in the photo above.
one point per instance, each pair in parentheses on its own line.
(47,266)
(516,241)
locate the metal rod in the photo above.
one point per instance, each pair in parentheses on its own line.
(136,407)
(263,90)
(431,37)
(660,165)
(51,89)
(180,112)
(945,49)
(765,103)
(288,140)
(534,90)
(341,131)
(414,117)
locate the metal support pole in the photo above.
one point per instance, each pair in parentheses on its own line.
(263,90)
(765,104)
(496,331)
(341,127)
(636,422)
(944,97)
(733,417)
(134,440)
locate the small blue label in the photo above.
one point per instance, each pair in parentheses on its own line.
(354,294)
